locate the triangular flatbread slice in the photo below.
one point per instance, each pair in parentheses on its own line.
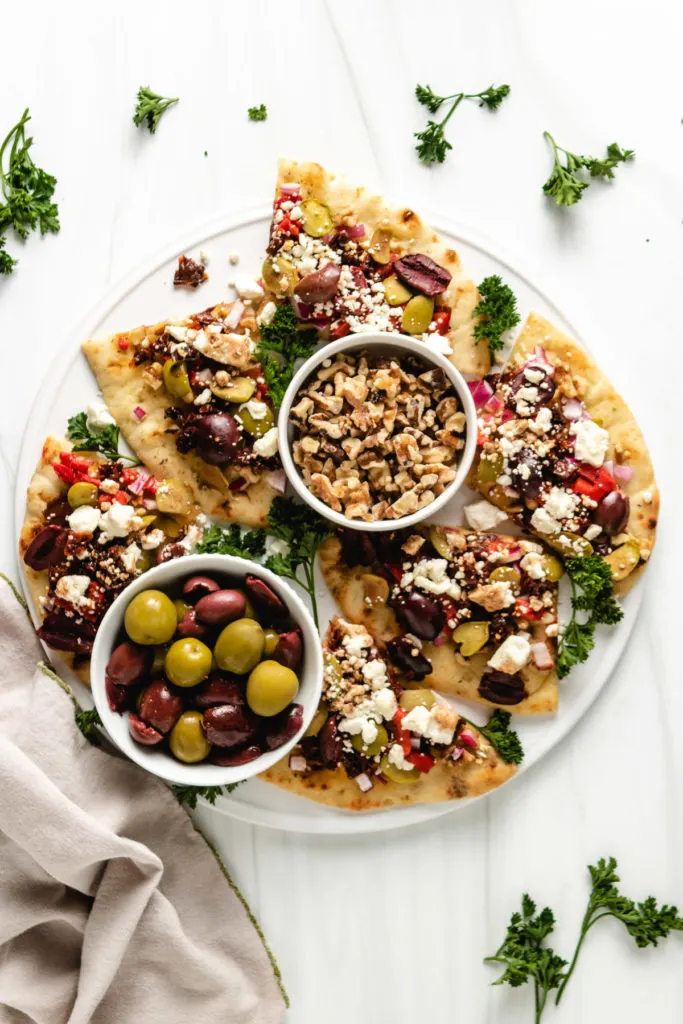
(448,758)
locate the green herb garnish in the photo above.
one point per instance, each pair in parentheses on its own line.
(88,721)
(258,113)
(304,531)
(564,186)
(592,591)
(26,191)
(433,144)
(104,440)
(189,795)
(217,540)
(279,346)
(499,734)
(150,107)
(497,309)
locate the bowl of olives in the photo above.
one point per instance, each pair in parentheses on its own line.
(207,670)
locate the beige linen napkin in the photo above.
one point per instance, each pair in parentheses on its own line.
(113,910)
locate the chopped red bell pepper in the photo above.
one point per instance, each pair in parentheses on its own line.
(402,735)
(340,330)
(442,319)
(523,610)
(122,344)
(121,497)
(151,485)
(129,476)
(423,762)
(594,482)
(72,468)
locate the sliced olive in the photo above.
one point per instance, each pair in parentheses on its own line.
(440,542)
(238,390)
(376,589)
(397,774)
(317,219)
(471,636)
(374,748)
(144,561)
(172,497)
(332,667)
(489,469)
(148,520)
(623,560)
(417,315)
(506,574)
(416,698)
(252,425)
(176,380)
(82,493)
(552,568)
(380,246)
(571,545)
(171,527)
(395,292)
(279,276)
(318,721)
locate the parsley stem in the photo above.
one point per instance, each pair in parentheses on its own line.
(586,925)
(458,100)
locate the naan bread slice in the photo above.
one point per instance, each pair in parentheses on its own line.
(354,205)
(127,386)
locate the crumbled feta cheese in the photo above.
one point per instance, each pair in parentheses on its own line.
(200,341)
(177,332)
(295,213)
(119,520)
(109,486)
(267,445)
(73,589)
(233,258)
(525,398)
(267,313)
(561,504)
(246,287)
(204,257)
(203,397)
(396,757)
(375,673)
(431,576)
(591,442)
(417,720)
(152,540)
(356,643)
(257,410)
(592,531)
(98,416)
(438,343)
(130,557)
(511,656)
(276,546)
(84,519)
(384,703)
(542,422)
(436,724)
(533,566)
(544,522)
(535,376)
(360,725)
(482,515)
(191,538)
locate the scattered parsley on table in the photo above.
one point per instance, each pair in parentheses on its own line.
(432,144)
(564,186)
(258,113)
(150,107)
(497,310)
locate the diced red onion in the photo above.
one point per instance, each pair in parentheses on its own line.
(508,414)
(204,376)
(364,782)
(540,360)
(573,409)
(480,391)
(609,466)
(320,321)
(297,763)
(356,231)
(149,503)
(277,479)
(513,554)
(139,413)
(138,485)
(457,753)
(440,640)
(623,473)
(240,484)
(290,188)
(494,404)
(543,659)
(328,238)
(302,309)
(467,740)
(415,742)
(235,315)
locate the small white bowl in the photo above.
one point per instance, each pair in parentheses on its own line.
(161,577)
(378,344)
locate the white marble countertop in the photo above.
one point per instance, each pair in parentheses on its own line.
(394,927)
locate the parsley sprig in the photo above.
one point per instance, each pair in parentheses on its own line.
(188,795)
(88,721)
(217,540)
(105,440)
(497,310)
(499,734)
(280,345)
(592,592)
(433,144)
(26,191)
(150,107)
(258,113)
(564,186)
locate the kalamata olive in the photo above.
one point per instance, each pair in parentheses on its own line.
(64,634)
(330,743)
(545,389)
(527,473)
(220,607)
(189,626)
(406,657)
(501,687)
(422,274)
(216,438)
(117,696)
(229,725)
(265,600)
(128,663)
(159,707)
(420,615)
(236,757)
(199,586)
(46,548)
(289,649)
(320,285)
(612,513)
(169,551)
(565,469)
(143,733)
(218,690)
(356,547)
(284,726)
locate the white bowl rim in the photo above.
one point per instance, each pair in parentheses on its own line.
(351,342)
(116,724)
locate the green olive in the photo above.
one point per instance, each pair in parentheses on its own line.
(440,540)
(82,494)
(489,470)
(187,740)
(170,526)
(253,426)
(623,560)
(552,568)
(249,610)
(376,589)
(158,661)
(571,545)
(397,774)
(372,749)
(144,561)
(395,292)
(471,636)
(150,618)
(506,574)
(172,497)
(240,389)
(176,380)
(272,638)
(318,721)
(239,647)
(270,688)
(279,276)
(333,670)
(181,608)
(316,218)
(380,246)
(188,661)
(417,315)
(410,699)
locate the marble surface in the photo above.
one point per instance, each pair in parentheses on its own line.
(394,927)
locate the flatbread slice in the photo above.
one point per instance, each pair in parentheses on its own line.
(550,472)
(129,371)
(362,580)
(455,761)
(318,220)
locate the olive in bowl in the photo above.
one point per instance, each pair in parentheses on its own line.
(207,670)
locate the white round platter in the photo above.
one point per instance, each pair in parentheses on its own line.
(147,295)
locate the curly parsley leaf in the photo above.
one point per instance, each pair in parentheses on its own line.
(104,440)
(279,347)
(303,531)
(564,186)
(497,310)
(188,795)
(7,263)
(499,734)
(150,107)
(592,592)
(258,113)
(88,721)
(217,540)
(433,145)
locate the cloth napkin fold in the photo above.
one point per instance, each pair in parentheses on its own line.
(113,909)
